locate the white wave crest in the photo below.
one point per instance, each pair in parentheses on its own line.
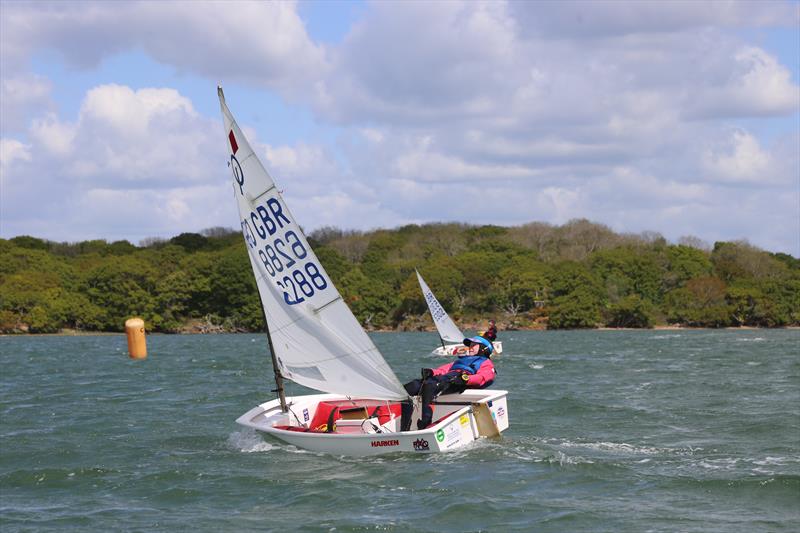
(248,441)
(624,447)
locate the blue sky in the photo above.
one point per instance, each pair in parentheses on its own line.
(681,118)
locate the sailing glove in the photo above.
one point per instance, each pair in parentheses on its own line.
(458,382)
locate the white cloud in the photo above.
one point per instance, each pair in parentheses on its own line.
(150,137)
(12,150)
(21,96)
(642,115)
(741,159)
(258,42)
(753,84)
(591,20)
(134,163)
(302,161)
(54,136)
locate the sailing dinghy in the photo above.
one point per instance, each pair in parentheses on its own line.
(448,331)
(315,341)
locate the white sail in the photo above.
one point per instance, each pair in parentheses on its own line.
(317,340)
(448,331)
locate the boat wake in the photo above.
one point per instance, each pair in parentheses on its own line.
(248,441)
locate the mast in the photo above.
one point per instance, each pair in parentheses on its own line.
(276,370)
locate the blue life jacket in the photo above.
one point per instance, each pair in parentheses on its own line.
(468,363)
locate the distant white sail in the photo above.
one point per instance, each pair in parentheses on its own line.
(317,340)
(448,331)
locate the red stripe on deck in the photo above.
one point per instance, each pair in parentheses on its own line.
(234,146)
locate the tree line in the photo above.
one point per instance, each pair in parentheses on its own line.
(578,275)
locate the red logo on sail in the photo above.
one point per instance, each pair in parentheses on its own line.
(232,139)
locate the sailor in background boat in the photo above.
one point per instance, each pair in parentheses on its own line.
(473,370)
(490,333)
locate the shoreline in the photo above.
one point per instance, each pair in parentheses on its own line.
(74,333)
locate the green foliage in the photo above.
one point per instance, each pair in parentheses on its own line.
(121,248)
(631,312)
(191,242)
(334,263)
(578,309)
(521,286)
(121,287)
(31,243)
(627,271)
(373,301)
(735,260)
(579,275)
(700,303)
(683,264)
(569,276)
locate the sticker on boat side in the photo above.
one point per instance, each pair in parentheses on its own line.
(452,435)
(421,445)
(381,443)
(464,420)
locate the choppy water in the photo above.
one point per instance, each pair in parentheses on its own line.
(611,431)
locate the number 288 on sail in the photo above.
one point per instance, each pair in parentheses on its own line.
(282,252)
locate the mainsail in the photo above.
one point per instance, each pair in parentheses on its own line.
(317,340)
(448,331)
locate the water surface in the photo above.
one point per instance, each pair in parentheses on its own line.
(610,431)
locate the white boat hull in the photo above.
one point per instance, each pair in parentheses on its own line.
(460,349)
(457,425)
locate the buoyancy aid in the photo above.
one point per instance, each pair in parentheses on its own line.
(468,363)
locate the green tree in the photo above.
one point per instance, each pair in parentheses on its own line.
(372,301)
(631,312)
(232,290)
(627,271)
(334,263)
(700,303)
(683,264)
(121,287)
(191,242)
(578,309)
(522,286)
(30,243)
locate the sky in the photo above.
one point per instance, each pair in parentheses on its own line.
(680,117)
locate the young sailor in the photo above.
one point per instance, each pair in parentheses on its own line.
(473,370)
(491,332)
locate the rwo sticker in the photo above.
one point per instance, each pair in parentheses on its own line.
(421,445)
(440,435)
(305,415)
(464,420)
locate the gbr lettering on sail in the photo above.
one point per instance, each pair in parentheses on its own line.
(271,235)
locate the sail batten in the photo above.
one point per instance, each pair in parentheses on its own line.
(317,341)
(448,331)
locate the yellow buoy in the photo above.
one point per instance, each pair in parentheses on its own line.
(134,329)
